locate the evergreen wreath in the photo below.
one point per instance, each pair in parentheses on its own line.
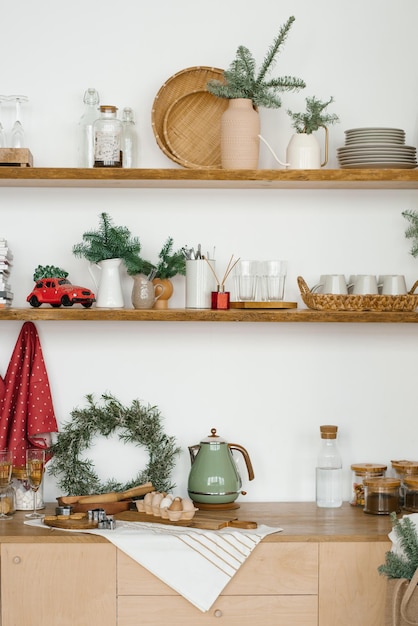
(136,424)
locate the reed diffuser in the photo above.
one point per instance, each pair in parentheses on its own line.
(220,298)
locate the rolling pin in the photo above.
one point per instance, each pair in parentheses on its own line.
(113,496)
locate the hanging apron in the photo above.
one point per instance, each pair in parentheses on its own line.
(26,411)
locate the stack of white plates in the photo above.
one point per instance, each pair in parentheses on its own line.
(376,147)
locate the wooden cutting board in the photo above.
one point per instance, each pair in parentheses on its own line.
(71,524)
(263,305)
(200,520)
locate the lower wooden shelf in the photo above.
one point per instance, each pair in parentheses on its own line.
(206,315)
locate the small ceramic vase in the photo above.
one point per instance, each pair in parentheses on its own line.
(144,293)
(240,129)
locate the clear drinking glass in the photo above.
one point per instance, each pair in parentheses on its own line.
(18,133)
(273,278)
(35,465)
(246,277)
(3,138)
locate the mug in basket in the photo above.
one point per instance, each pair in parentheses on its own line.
(392,285)
(365,284)
(331,283)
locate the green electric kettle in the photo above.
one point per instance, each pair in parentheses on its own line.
(214,477)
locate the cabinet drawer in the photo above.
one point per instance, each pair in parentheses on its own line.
(226,611)
(273,568)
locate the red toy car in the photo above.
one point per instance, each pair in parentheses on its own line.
(59,291)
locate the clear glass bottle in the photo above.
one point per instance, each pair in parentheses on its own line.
(329,470)
(108,133)
(130,139)
(85,128)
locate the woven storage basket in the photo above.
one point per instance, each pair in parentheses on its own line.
(354,302)
(192,129)
(181,84)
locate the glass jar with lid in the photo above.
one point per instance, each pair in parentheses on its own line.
(381,495)
(108,134)
(7,501)
(23,492)
(410,494)
(404,469)
(361,471)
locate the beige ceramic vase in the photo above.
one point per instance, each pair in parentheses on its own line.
(165,287)
(240,129)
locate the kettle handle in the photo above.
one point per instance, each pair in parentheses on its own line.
(235,446)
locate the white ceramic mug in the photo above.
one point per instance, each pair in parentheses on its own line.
(331,283)
(392,284)
(365,284)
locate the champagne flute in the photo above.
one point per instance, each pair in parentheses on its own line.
(35,464)
(6,465)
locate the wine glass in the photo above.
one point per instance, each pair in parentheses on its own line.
(17,133)
(35,464)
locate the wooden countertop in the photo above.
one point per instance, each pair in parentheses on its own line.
(301,521)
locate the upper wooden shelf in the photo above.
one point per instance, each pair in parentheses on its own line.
(215,179)
(204,315)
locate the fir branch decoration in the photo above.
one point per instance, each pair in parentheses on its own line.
(49,271)
(402,566)
(412,230)
(108,242)
(170,263)
(314,116)
(136,424)
(241,79)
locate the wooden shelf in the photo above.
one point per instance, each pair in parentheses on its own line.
(209,179)
(205,315)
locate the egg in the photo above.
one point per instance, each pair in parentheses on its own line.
(148,502)
(187,504)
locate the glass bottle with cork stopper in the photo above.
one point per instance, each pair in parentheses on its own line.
(360,472)
(329,470)
(108,134)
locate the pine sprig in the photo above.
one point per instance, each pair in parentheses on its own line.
(314,116)
(137,424)
(241,79)
(402,565)
(412,230)
(107,242)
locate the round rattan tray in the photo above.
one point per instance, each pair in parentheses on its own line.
(192,128)
(181,84)
(354,302)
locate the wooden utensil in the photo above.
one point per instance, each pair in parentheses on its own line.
(113,496)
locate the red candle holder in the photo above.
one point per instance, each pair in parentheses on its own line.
(220,300)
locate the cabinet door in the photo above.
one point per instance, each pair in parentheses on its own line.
(70,584)
(351,591)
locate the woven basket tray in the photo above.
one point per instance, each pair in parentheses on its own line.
(354,302)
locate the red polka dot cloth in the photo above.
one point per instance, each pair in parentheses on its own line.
(26,411)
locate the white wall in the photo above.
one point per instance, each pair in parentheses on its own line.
(267,387)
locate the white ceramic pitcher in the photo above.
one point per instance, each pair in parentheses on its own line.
(108,287)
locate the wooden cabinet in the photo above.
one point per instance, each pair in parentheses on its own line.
(70,584)
(277,586)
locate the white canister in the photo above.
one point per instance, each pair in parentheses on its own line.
(200,282)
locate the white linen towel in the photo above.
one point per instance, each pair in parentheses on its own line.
(197,564)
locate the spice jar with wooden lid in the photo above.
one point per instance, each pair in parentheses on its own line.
(403,470)
(410,493)
(362,471)
(381,495)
